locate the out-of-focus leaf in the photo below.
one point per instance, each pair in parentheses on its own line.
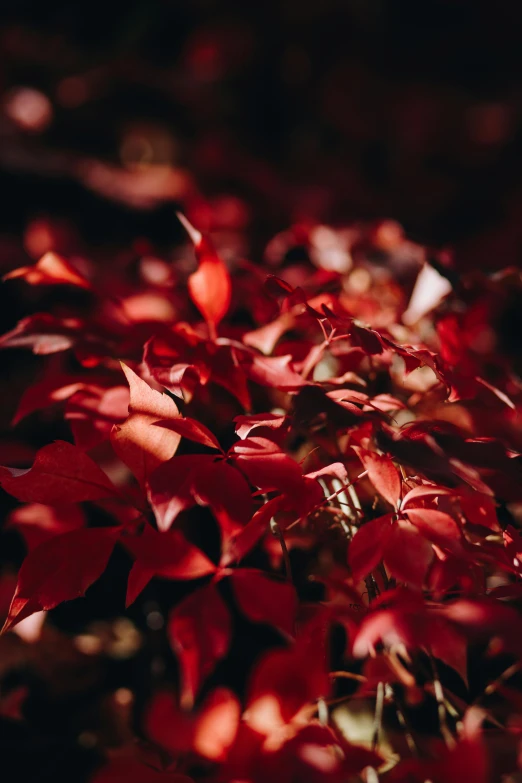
(199,631)
(264,599)
(366,548)
(60,569)
(51,269)
(61,473)
(37,522)
(210,287)
(168,555)
(383,474)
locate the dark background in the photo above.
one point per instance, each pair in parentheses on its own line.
(325,110)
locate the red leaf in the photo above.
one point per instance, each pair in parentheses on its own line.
(349,398)
(137,442)
(267,467)
(224,489)
(43,333)
(513,543)
(413,446)
(422,492)
(266,337)
(280,686)
(168,555)
(383,474)
(382,625)
(209,732)
(264,599)
(61,473)
(367,546)
(276,287)
(408,555)
(479,509)
(312,756)
(334,470)
(170,486)
(225,370)
(167,725)
(308,499)
(497,392)
(241,544)
(275,372)
(437,527)
(47,392)
(407,623)
(92,412)
(192,430)
(367,339)
(51,269)
(313,405)
(202,479)
(245,424)
(199,632)
(60,569)
(37,522)
(173,363)
(217,724)
(467,761)
(210,287)
(449,645)
(385,402)
(486,617)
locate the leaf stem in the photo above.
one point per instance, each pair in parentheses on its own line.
(403,721)
(447,736)
(348,676)
(326,500)
(278,533)
(377,720)
(212,333)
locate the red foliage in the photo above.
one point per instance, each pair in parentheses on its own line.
(327,465)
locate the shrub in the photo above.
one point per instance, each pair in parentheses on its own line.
(308,485)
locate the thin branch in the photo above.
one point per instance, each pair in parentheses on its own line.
(320,322)
(334,702)
(212,333)
(377,720)
(448,737)
(403,722)
(342,500)
(326,500)
(503,678)
(384,575)
(355,503)
(278,533)
(371,587)
(348,676)
(322,712)
(354,497)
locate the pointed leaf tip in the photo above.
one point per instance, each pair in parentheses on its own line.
(195,235)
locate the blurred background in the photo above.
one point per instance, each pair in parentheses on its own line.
(254,116)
